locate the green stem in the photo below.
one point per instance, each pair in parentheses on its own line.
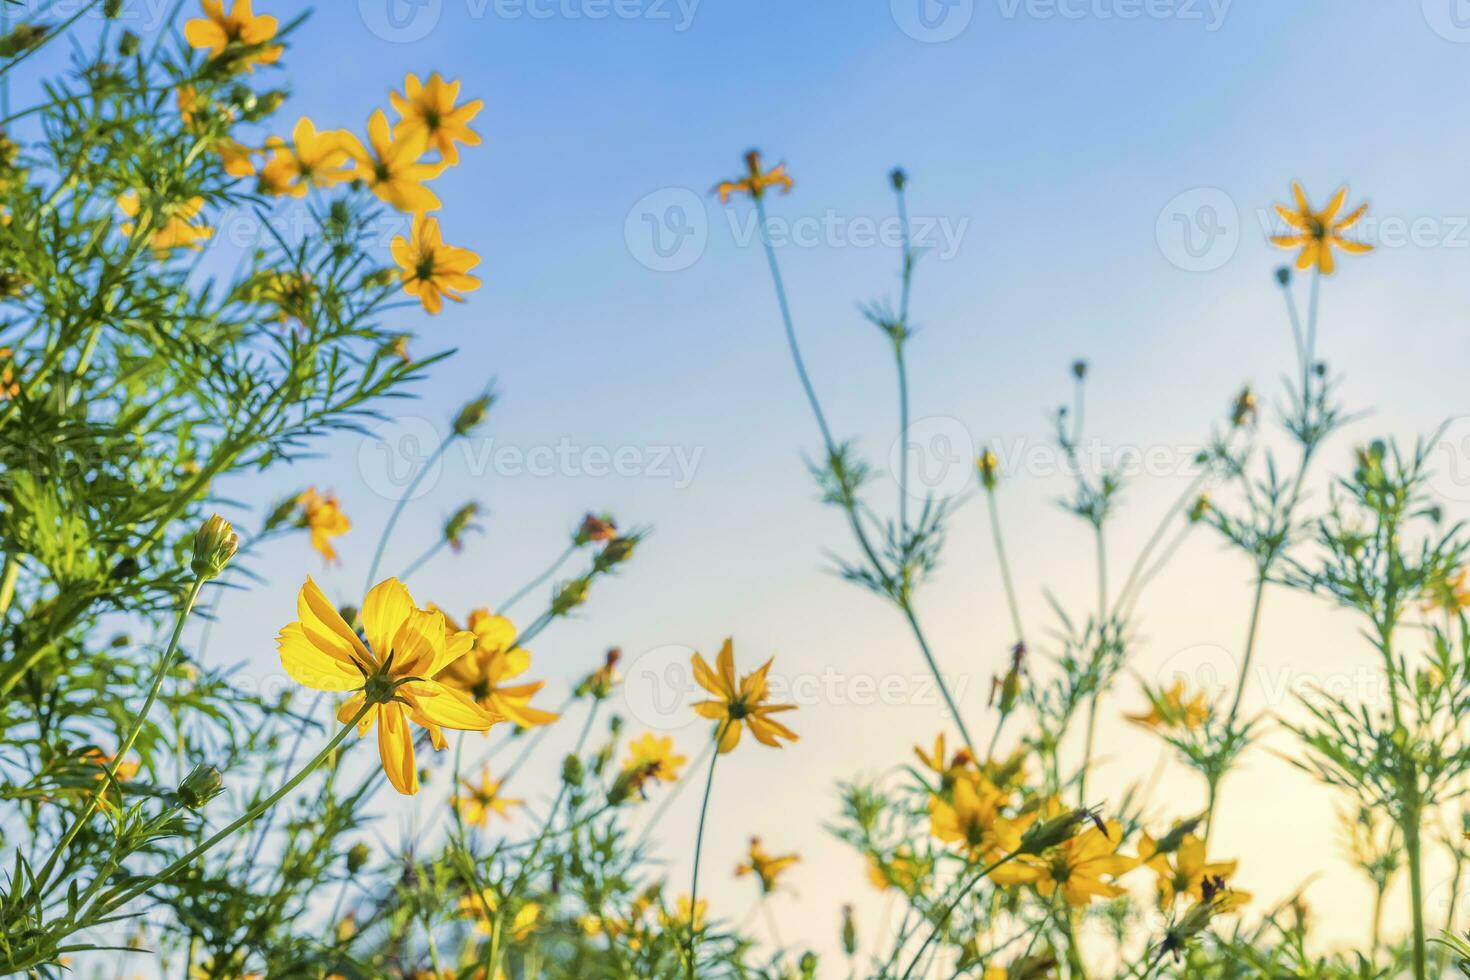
(532,585)
(698,849)
(954,709)
(943,918)
(7,584)
(1414,855)
(413,485)
(1005,566)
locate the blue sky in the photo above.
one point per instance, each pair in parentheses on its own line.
(1065,149)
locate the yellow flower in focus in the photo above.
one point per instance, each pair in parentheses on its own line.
(756,180)
(1318,232)
(1077,867)
(1170,709)
(766,867)
(312,159)
(482,672)
(217,30)
(738,704)
(429,110)
(326,520)
(393,674)
(972,819)
(392,170)
(178,229)
(482,800)
(432,270)
(1187,872)
(484,906)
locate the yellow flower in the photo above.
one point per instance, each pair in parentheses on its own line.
(326,520)
(482,672)
(178,229)
(392,169)
(429,110)
(394,673)
(652,757)
(765,866)
(1317,232)
(482,800)
(972,819)
(903,871)
(1170,710)
(1076,867)
(683,917)
(960,764)
(238,159)
(738,704)
(9,384)
(756,180)
(1449,593)
(312,159)
(1187,873)
(483,907)
(217,30)
(432,270)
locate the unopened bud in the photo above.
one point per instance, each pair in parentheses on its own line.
(989,467)
(472,415)
(596,528)
(571,595)
(203,784)
(849,932)
(215,544)
(1057,831)
(572,770)
(357,857)
(22,38)
(458,524)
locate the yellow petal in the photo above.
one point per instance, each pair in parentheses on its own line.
(384,612)
(307,664)
(395,746)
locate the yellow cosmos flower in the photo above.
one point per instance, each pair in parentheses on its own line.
(429,109)
(9,384)
(432,270)
(1319,232)
(1170,709)
(1077,867)
(1188,870)
(237,158)
(684,918)
(482,672)
(326,520)
(178,228)
(1449,593)
(394,673)
(483,907)
(217,30)
(972,818)
(482,799)
(739,704)
(392,169)
(903,871)
(948,769)
(653,757)
(756,180)
(312,159)
(766,867)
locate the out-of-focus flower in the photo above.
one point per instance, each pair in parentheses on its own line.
(972,818)
(311,159)
(460,522)
(1188,870)
(596,528)
(392,169)
(393,675)
(324,517)
(483,671)
(482,799)
(1317,233)
(686,918)
(1169,709)
(484,906)
(431,270)
(237,158)
(1244,411)
(766,867)
(650,759)
(756,180)
(741,703)
(601,681)
(428,109)
(1448,593)
(178,229)
(217,30)
(904,871)
(1077,867)
(9,384)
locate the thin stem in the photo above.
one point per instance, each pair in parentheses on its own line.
(536,582)
(413,485)
(699,848)
(954,708)
(1005,566)
(943,919)
(1414,849)
(423,559)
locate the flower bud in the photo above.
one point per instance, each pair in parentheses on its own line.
(472,415)
(357,857)
(898,178)
(572,771)
(458,524)
(1056,831)
(128,44)
(989,467)
(215,544)
(1200,509)
(203,784)
(1283,275)
(1244,409)
(571,595)
(617,551)
(112,8)
(595,528)
(1079,369)
(22,38)
(849,932)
